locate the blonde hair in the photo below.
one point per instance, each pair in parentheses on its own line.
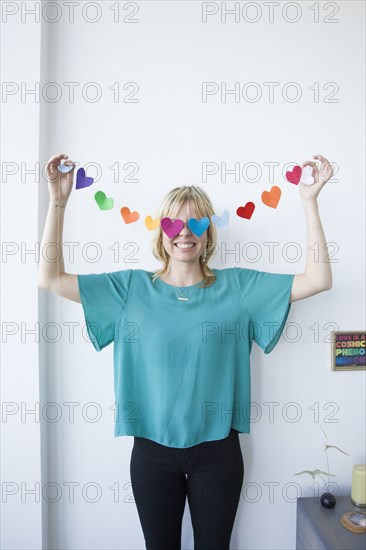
(170,206)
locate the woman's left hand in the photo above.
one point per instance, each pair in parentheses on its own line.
(311,192)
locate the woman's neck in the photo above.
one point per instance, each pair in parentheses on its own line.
(179,276)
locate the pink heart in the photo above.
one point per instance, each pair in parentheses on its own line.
(171,228)
(295,175)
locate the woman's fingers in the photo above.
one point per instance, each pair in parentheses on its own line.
(322,159)
(55,161)
(324,162)
(312,164)
(326,169)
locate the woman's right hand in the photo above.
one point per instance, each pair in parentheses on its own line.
(59,184)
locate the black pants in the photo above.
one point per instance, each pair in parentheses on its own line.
(215,472)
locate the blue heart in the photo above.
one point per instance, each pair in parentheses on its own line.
(223,221)
(198,226)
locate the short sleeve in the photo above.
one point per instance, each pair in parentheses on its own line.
(103,296)
(267,299)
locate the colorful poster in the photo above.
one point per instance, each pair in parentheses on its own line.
(348,350)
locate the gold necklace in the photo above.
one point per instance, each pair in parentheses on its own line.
(181,297)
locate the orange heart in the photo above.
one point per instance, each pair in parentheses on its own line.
(151,224)
(128,216)
(272,197)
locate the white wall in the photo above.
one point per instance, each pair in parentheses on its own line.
(169,133)
(21,512)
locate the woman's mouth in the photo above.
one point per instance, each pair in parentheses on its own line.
(184,245)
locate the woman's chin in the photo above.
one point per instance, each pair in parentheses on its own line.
(179,256)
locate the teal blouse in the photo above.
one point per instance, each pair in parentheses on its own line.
(182,368)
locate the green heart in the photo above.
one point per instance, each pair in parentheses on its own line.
(102,201)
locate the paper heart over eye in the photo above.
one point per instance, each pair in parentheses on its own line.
(102,201)
(246,211)
(171,228)
(294,175)
(151,224)
(198,227)
(272,197)
(128,216)
(81,180)
(221,221)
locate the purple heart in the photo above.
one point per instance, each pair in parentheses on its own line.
(81,179)
(171,228)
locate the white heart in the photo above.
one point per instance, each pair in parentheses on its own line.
(65,168)
(306,176)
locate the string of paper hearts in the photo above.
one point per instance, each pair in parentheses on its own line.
(269,198)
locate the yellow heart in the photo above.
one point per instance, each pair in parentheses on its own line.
(151,224)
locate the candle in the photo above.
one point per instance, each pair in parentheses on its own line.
(358,494)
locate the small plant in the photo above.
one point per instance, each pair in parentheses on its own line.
(327,499)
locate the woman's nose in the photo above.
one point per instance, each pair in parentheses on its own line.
(185,227)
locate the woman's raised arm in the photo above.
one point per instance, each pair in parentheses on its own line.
(318,273)
(51,272)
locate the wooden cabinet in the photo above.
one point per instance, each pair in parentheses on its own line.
(320,528)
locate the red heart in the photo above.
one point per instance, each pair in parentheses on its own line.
(295,175)
(246,211)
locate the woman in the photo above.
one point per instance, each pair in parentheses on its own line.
(182,339)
